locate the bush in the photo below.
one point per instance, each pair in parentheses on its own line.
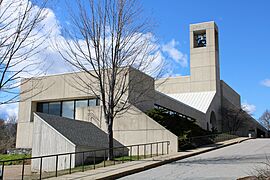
(181,127)
(6,157)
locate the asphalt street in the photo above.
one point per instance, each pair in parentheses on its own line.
(230,162)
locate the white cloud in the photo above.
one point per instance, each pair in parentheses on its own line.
(175,54)
(266,82)
(8,110)
(249,108)
(42,59)
(52,62)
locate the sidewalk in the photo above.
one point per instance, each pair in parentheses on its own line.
(120,170)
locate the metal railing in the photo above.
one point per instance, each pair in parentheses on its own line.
(197,141)
(122,154)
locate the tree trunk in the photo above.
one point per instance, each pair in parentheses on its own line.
(110,138)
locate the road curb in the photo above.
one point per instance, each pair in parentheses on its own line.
(166,161)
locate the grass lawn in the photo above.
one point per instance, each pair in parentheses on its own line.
(117,160)
(5,157)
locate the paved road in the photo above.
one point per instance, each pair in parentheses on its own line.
(227,163)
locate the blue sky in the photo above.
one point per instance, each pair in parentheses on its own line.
(243,38)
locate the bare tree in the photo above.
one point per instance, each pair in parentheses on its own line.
(111,39)
(12,119)
(265,119)
(234,118)
(8,133)
(20,40)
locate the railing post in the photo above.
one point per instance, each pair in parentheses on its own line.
(150,149)
(123,154)
(2,175)
(168,143)
(83,162)
(138,152)
(144,151)
(22,170)
(40,169)
(94,159)
(104,159)
(130,158)
(162,148)
(56,165)
(157,149)
(113,156)
(70,156)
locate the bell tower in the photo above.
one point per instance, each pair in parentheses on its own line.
(204,57)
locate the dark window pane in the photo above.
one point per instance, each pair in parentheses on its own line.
(43,107)
(39,107)
(81,103)
(68,109)
(55,108)
(98,102)
(92,102)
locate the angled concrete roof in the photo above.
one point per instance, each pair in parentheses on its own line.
(80,133)
(198,100)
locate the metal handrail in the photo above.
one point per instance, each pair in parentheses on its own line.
(105,150)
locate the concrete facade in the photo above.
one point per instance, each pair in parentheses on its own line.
(48,141)
(133,123)
(205,79)
(57,135)
(199,96)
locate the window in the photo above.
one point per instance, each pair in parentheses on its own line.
(68,109)
(98,102)
(199,39)
(171,112)
(55,108)
(81,103)
(43,107)
(65,108)
(92,102)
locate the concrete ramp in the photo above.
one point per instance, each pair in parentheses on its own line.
(55,135)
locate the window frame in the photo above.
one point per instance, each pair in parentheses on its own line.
(39,104)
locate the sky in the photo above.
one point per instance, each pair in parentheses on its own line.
(244,42)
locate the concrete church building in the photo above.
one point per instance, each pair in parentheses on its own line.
(199,96)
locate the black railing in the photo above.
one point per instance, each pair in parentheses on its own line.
(120,154)
(197,141)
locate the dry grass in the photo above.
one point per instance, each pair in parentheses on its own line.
(264,173)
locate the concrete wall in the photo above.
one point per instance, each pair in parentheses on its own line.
(229,94)
(173,85)
(49,88)
(204,65)
(214,108)
(70,86)
(204,61)
(141,90)
(47,141)
(134,127)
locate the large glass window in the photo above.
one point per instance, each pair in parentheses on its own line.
(65,108)
(81,103)
(55,108)
(92,102)
(68,109)
(43,107)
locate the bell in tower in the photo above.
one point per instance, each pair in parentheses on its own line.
(204,57)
